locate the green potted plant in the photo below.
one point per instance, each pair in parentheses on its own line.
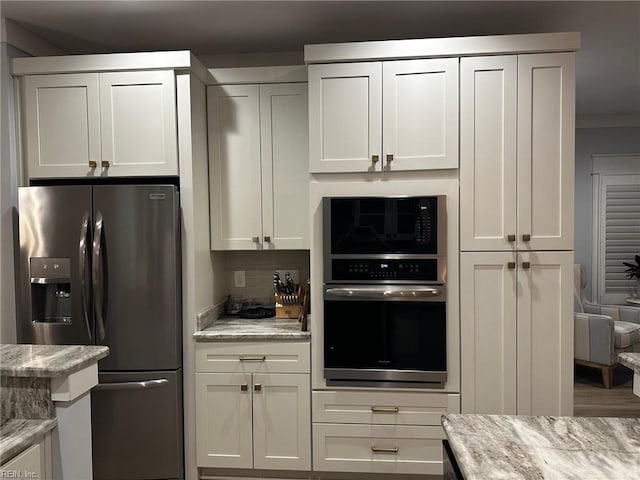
(633,271)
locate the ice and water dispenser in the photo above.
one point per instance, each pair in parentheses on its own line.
(50,290)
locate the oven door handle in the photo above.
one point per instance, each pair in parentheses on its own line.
(383,291)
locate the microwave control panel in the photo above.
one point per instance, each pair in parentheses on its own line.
(420,270)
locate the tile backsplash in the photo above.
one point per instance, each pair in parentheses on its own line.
(259,268)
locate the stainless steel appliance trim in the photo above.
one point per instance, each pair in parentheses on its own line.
(160,382)
(98,277)
(366,374)
(414,293)
(48,281)
(84,285)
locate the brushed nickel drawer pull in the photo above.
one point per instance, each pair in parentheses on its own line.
(257,387)
(384,449)
(526,237)
(253,358)
(244,387)
(511,265)
(526,265)
(267,238)
(511,237)
(93,164)
(255,239)
(385,409)
(389,158)
(105,164)
(375,158)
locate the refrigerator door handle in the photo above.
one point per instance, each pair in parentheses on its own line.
(98,277)
(84,285)
(160,382)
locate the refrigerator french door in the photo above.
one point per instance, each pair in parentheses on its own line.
(100,264)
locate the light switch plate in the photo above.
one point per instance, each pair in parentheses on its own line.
(239,279)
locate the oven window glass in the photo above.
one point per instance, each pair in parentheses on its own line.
(385,335)
(384,225)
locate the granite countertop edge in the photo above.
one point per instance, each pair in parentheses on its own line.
(612,439)
(239,329)
(18,434)
(47,361)
(631,360)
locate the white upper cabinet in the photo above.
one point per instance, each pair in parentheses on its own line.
(420,114)
(395,115)
(259,177)
(100,124)
(488,152)
(345,117)
(517,152)
(546,146)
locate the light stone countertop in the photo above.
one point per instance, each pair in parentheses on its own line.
(522,447)
(18,434)
(631,360)
(47,360)
(240,329)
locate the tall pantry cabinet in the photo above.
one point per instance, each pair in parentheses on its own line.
(516,233)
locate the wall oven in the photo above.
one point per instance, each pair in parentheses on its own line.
(385,316)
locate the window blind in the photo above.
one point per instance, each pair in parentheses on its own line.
(621,224)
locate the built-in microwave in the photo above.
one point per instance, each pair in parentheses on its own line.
(385,320)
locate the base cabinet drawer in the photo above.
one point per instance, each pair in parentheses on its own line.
(377,449)
(27,464)
(386,408)
(253,357)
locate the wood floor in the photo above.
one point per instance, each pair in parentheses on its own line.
(591,399)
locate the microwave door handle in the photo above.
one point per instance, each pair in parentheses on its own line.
(98,277)
(83,252)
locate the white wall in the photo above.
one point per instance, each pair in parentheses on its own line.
(592,141)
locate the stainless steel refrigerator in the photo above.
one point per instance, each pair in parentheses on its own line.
(100,264)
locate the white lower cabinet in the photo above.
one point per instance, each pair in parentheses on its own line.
(517,332)
(380,432)
(34,462)
(250,419)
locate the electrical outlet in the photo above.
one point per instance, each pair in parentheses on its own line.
(295,275)
(239,279)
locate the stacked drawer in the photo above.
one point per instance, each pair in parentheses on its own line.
(380,432)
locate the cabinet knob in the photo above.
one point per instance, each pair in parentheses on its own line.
(267,238)
(389,157)
(257,387)
(526,237)
(255,239)
(374,158)
(105,163)
(93,164)
(511,265)
(511,237)
(526,265)
(244,387)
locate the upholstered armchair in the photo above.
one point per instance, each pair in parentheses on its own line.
(601,332)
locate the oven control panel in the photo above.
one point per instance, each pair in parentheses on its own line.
(387,269)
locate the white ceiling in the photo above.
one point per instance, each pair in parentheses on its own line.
(608,65)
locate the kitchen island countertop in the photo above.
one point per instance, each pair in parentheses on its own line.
(542,447)
(240,329)
(47,360)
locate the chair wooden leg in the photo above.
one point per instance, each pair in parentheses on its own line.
(607,376)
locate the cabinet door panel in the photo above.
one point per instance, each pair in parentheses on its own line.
(545,334)
(284,136)
(487,152)
(420,121)
(62,124)
(546,130)
(138,123)
(488,326)
(223,430)
(345,117)
(282,422)
(234,174)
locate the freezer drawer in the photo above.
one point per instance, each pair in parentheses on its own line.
(137,430)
